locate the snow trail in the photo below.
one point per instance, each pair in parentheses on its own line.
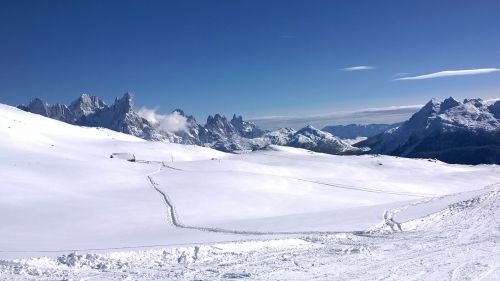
(174,219)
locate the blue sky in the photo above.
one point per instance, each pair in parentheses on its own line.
(256,58)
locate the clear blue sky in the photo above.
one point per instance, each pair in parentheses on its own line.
(254,57)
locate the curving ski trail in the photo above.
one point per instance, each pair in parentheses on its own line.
(175,221)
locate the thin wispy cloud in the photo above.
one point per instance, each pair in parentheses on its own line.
(386,115)
(448,73)
(358,68)
(401,74)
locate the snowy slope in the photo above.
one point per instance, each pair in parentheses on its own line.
(458,242)
(60,190)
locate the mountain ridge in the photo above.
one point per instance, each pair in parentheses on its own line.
(218,132)
(466,132)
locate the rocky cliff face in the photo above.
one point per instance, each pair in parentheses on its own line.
(86,105)
(120,117)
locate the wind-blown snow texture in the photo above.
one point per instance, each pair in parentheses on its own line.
(280,213)
(465,132)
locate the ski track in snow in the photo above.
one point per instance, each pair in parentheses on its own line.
(454,237)
(457,243)
(174,219)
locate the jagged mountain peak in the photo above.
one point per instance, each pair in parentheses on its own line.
(85,105)
(125,102)
(216,118)
(478,102)
(85,98)
(179,111)
(451,114)
(495,109)
(237,118)
(246,129)
(448,103)
(452,131)
(218,132)
(38,106)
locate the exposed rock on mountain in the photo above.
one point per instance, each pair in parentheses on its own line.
(320,141)
(86,105)
(57,111)
(218,132)
(279,137)
(465,132)
(120,117)
(191,134)
(246,129)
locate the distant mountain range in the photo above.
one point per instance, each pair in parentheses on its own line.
(465,132)
(352,131)
(218,132)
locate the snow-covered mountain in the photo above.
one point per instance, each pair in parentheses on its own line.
(320,141)
(218,132)
(456,132)
(352,131)
(120,117)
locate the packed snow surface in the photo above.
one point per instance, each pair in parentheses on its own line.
(178,212)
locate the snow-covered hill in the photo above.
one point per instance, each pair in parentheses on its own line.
(61,192)
(457,242)
(456,132)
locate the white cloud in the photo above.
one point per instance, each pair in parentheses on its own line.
(172,122)
(450,73)
(358,68)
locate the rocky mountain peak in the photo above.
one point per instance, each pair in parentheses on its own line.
(38,106)
(85,105)
(237,119)
(245,128)
(495,109)
(219,125)
(448,103)
(218,133)
(179,111)
(125,103)
(452,131)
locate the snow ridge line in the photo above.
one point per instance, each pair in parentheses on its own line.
(174,219)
